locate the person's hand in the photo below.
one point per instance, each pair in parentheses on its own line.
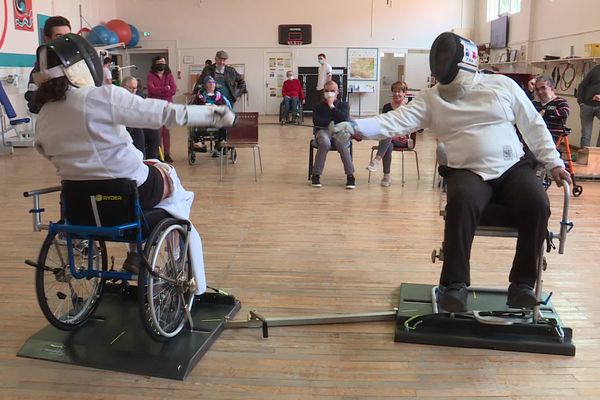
(303,101)
(558,174)
(344,131)
(596,97)
(531,84)
(330,101)
(223,117)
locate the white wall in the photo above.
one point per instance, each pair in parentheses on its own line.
(21,42)
(248,28)
(550,27)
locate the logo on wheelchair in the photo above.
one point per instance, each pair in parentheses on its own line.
(101,197)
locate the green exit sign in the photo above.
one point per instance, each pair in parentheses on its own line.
(146,33)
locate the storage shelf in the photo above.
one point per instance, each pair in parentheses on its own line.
(564,61)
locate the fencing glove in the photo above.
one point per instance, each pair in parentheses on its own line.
(343,131)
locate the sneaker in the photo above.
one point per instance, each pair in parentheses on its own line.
(373,165)
(521,295)
(350,182)
(386,181)
(132,263)
(316,181)
(453,298)
(168,158)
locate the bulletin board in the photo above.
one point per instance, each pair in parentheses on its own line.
(363,64)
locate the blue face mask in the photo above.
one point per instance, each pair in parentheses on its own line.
(321,61)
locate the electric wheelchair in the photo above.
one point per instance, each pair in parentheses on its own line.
(72,268)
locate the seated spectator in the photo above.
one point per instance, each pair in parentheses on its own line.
(386,146)
(145,140)
(211,96)
(327,111)
(292,96)
(553,109)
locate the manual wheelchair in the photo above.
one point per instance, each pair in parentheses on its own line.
(72,267)
(297,116)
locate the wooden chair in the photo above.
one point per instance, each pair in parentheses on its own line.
(411,148)
(243,135)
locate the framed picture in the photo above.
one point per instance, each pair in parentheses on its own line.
(363,64)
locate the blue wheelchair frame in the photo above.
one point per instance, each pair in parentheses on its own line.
(129,232)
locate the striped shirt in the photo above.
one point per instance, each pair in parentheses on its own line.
(555,113)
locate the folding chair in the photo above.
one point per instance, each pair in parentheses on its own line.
(243,135)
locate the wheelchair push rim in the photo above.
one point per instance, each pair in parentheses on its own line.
(166,295)
(66,301)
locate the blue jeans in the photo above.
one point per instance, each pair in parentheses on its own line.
(290,104)
(587,114)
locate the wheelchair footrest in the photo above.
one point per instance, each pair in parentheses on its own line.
(416,323)
(114,339)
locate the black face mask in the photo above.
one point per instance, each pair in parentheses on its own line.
(160,67)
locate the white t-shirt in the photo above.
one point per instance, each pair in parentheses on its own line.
(477,129)
(324,70)
(107,75)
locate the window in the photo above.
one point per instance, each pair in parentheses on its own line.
(496,8)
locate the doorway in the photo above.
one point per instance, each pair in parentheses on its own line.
(143,62)
(276,67)
(391,70)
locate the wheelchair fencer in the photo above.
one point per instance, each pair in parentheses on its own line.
(72,267)
(297,113)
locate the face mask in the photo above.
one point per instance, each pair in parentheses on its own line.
(321,61)
(290,77)
(460,85)
(160,67)
(328,95)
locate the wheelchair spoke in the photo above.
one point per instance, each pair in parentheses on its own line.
(67,302)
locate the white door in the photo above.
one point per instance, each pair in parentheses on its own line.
(276,66)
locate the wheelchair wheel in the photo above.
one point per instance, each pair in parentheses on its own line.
(191,157)
(67,302)
(164,298)
(577,190)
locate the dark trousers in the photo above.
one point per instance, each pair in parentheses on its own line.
(147,141)
(521,192)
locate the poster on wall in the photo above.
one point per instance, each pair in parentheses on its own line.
(23,15)
(362,64)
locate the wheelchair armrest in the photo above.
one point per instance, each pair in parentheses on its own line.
(37,209)
(37,192)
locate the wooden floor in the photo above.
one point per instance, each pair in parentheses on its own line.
(287,249)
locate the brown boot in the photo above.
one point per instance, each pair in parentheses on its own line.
(132,263)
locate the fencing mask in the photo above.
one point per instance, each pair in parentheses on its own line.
(71,56)
(453,61)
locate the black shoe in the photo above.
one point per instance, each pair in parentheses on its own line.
(168,158)
(453,298)
(521,295)
(132,263)
(350,182)
(316,181)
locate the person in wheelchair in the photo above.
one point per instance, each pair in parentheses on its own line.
(81,131)
(553,109)
(474,115)
(293,96)
(211,96)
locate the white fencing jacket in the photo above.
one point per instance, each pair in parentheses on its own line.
(85,138)
(477,130)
